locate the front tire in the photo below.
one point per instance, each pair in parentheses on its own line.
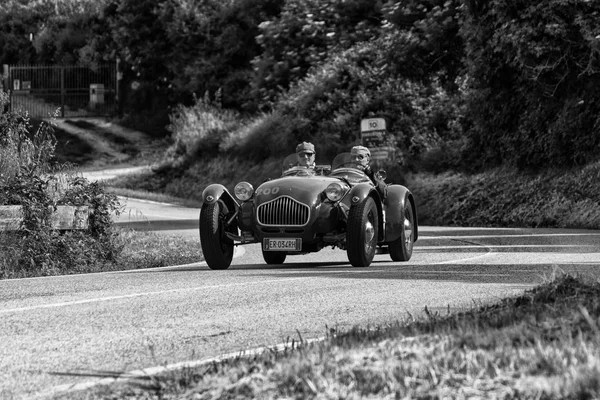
(401,249)
(363,229)
(217,248)
(273,257)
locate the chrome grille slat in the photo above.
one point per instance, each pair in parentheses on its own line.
(283,211)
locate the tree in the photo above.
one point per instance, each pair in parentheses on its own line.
(304,35)
(534,76)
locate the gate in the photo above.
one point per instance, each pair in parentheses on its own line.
(63,91)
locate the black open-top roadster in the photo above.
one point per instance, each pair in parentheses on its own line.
(306,210)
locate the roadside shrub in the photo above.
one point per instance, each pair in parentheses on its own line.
(30,178)
(81,192)
(505,197)
(20,148)
(198,128)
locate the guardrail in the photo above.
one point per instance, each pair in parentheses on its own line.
(63,218)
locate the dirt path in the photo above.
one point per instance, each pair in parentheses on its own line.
(113,146)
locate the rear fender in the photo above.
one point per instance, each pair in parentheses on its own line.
(359,193)
(217,192)
(397,195)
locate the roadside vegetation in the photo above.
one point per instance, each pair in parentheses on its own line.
(491,129)
(30,177)
(476,94)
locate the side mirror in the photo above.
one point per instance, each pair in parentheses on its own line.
(382,174)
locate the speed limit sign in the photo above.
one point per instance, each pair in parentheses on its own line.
(372,124)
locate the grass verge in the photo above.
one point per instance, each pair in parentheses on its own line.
(544,344)
(133,250)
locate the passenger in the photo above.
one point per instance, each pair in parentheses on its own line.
(362,156)
(305,154)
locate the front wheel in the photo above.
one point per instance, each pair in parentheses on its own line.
(217,248)
(401,249)
(274,257)
(361,238)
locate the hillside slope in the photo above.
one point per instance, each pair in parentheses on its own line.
(503,197)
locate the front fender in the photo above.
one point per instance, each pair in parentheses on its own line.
(216,192)
(397,196)
(359,193)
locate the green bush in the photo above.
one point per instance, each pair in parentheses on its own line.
(505,197)
(198,129)
(29,177)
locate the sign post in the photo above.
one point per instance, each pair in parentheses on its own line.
(374,136)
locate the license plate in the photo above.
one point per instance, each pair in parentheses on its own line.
(282,244)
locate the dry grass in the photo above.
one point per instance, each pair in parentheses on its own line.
(149,249)
(134,250)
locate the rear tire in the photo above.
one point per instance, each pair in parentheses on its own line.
(401,249)
(272,257)
(363,229)
(216,247)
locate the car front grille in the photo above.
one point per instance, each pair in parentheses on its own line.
(283,211)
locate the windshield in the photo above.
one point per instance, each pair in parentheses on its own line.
(344,166)
(290,167)
(343,160)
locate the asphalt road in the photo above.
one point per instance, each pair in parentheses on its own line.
(55,328)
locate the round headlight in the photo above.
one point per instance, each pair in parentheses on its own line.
(243,191)
(334,192)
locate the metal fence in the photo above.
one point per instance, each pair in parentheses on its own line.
(62,91)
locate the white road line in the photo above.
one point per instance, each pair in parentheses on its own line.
(521,246)
(464,259)
(487,248)
(142,294)
(507,236)
(133,199)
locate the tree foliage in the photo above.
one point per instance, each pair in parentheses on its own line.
(304,35)
(182,47)
(498,81)
(46,31)
(534,75)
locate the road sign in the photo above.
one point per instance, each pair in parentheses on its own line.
(372,124)
(375,137)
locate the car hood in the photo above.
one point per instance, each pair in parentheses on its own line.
(305,189)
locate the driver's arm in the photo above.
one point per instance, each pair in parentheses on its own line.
(378,182)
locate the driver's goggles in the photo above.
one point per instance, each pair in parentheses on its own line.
(359,157)
(306,154)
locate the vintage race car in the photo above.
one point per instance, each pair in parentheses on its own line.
(304,211)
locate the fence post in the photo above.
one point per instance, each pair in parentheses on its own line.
(62,92)
(5,77)
(118,78)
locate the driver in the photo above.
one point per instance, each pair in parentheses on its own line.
(362,156)
(305,154)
